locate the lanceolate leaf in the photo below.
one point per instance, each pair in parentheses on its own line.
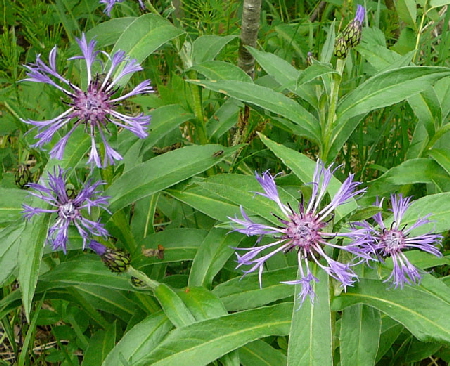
(381,90)
(212,255)
(31,249)
(310,337)
(206,48)
(162,172)
(11,200)
(144,36)
(268,99)
(411,171)
(205,341)
(173,306)
(360,333)
(388,88)
(241,293)
(417,309)
(8,249)
(140,340)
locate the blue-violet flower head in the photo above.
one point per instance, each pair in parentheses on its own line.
(68,210)
(391,241)
(93,108)
(303,231)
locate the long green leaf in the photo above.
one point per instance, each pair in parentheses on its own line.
(285,74)
(387,88)
(31,249)
(411,171)
(144,36)
(212,255)
(164,120)
(205,201)
(9,249)
(417,309)
(162,172)
(310,337)
(107,33)
(220,70)
(268,99)
(11,200)
(381,90)
(207,47)
(173,306)
(85,270)
(203,342)
(259,353)
(243,293)
(360,334)
(140,340)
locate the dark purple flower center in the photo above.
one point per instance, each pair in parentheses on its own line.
(92,106)
(68,211)
(392,241)
(304,230)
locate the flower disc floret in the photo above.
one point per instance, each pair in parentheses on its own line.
(95,107)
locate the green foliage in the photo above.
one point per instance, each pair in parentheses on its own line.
(380,111)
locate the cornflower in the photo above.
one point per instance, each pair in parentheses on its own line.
(391,242)
(68,209)
(94,107)
(303,231)
(111,3)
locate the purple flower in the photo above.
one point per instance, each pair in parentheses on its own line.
(360,13)
(303,231)
(391,242)
(98,248)
(111,3)
(67,209)
(93,108)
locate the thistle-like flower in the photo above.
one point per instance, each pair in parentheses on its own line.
(95,107)
(68,210)
(111,3)
(391,242)
(351,35)
(302,231)
(116,260)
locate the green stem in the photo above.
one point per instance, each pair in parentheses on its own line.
(141,275)
(327,129)
(200,128)
(439,133)
(419,33)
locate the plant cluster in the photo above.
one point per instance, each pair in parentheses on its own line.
(161,205)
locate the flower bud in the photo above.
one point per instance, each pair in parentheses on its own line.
(23,176)
(351,35)
(116,260)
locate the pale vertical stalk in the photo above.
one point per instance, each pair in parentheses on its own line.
(251,14)
(249,34)
(178,13)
